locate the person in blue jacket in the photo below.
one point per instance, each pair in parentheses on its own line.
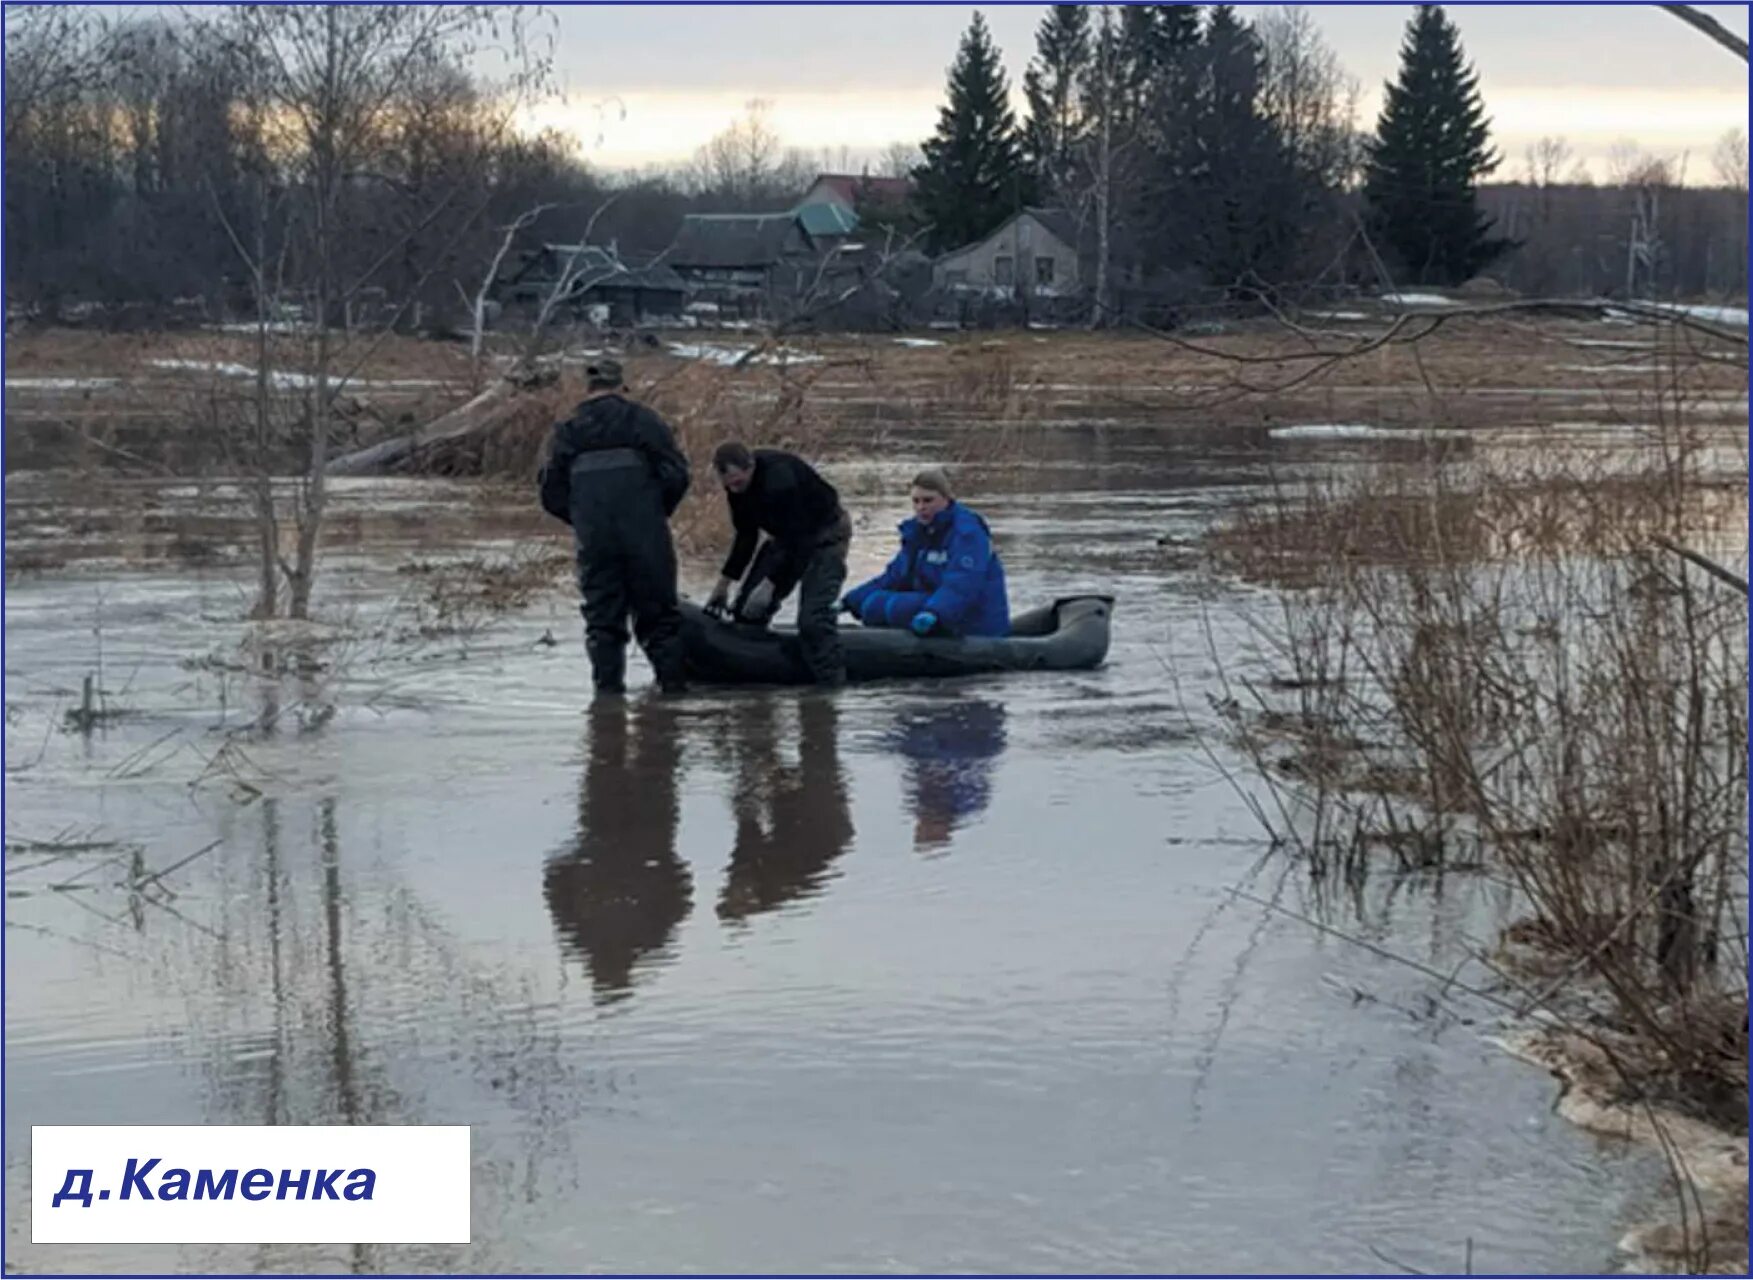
(946,580)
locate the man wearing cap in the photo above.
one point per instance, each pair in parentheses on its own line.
(777,493)
(614,473)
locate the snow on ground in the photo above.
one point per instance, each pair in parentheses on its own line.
(58,384)
(1353,431)
(1736,316)
(226,369)
(1607,368)
(1338,315)
(286,378)
(1419,300)
(728,356)
(273,326)
(918,342)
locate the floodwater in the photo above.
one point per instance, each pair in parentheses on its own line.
(922,977)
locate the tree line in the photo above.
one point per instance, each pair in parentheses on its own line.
(1202,154)
(1205,154)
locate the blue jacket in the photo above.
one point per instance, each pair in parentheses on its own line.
(946,567)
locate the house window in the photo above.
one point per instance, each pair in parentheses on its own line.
(955,277)
(1043,271)
(1004,270)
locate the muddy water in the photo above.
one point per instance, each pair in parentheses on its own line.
(921,977)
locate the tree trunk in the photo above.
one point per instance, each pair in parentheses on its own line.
(482,413)
(327,188)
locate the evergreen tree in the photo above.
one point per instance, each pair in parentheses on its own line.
(1222,191)
(1056,118)
(1430,150)
(1154,40)
(974,176)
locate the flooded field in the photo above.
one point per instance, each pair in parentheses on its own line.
(922,977)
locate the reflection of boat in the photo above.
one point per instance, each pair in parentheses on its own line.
(1070,634)
(618,890)
(951,753)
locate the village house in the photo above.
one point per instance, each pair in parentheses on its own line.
(850,191)
(1034,253)
(752,265)
(605,286)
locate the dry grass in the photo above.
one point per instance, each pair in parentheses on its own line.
(1496,655)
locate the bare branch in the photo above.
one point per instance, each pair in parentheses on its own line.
(1692,17)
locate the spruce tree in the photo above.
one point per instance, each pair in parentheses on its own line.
(1432,146)
(1056,120)
(1154,40)
(974,176)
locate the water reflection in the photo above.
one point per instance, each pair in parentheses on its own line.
(951,751)
(618,891)
(792,822)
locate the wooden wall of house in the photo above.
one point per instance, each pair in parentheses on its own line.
(1025,242)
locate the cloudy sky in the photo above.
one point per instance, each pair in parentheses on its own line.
(647,85)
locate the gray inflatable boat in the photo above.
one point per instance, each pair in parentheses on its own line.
(1071,634)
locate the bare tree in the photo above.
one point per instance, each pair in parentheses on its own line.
(326,81)
(900,159)
(1308,95)
(1546,161)
(1730,160)
(1105,100)
(53,53)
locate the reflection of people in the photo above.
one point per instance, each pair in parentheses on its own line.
(791,823)
(614,473)
(618,892)
(777,493)
(946,580)
(951,751)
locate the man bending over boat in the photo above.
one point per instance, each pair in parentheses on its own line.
(946,580)
(779,494)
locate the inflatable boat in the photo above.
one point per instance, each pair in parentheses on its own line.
(1071,634)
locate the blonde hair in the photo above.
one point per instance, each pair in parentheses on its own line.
(935,481)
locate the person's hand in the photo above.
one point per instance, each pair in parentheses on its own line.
(923,623)
(759,601)
(718,603)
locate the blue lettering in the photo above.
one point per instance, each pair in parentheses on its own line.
(364,1181)
(324,1189)
(134,1179)
(174,1185)
(287,1184)
(256,1184)
(209,1188)
(83,1195)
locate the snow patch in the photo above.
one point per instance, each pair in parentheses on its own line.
(918,342)
(1736,316)
(273,326)
(289,379)
(225,369)
(1607,368)
(1418,299)
(729,356)
(58,384)
(1353,431)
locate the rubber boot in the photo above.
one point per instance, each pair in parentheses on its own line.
(608,666)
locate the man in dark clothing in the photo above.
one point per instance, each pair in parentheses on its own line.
(615,475)
(779,494)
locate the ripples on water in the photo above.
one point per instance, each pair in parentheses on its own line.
(936,977)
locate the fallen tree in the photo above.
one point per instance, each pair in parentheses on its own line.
(486,412)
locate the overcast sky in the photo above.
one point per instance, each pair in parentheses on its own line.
(863,76)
